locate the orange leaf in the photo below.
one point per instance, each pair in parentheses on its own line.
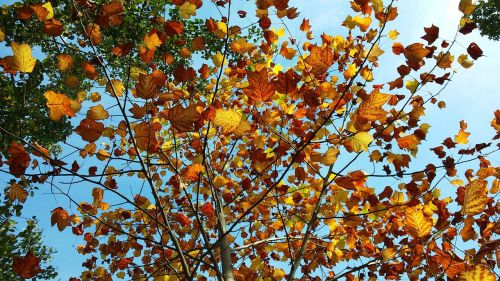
(61,218)
(59,105)
(145,136)
(320,59)
(191,172)
(259,88)
(415,53)
(93,31)
(371,108)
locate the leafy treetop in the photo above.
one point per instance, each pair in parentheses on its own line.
(230,151)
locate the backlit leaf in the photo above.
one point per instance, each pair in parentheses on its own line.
(259,87)
(23,60)
(320,60)
(61,218)
(59,105)
(418,224)
(475,198)
(360,141)
(478,273)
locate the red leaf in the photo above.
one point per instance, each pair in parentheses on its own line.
(474,51)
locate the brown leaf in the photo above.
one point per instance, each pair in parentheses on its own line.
(26,267)
(259,88)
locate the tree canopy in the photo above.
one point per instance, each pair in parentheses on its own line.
(211,140)
(487,16)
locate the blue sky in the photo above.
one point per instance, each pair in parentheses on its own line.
(471,96)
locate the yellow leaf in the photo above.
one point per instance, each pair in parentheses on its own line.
(479,273)
(374,53)
(461,137)
(187,10)
(115,87)
(152,41)
(464,61)
(393,34)
(240,46)
(388,254)
(218,59)
(279,274)
(330,156)
(64,62)
(475,198)
(378,6)
(50,11)
(97,113)
(418,225)
(412,85)
(2,35)
(59,105)
(466,7)
(360,141)
(350,71)
(23,60)
(16,192)
(228,119)
(362,23)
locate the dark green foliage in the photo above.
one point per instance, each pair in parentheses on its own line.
(487,17)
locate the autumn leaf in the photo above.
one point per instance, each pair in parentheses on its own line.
(147,87)
(19,159)
(466,7)
(16,192)
(360,141)
(230,120)
(191,172)
(90,130)
(145,136)
(418,224)
(461,137)
(61,218)
(330,156)
(464,61)
(320,59)
(478,273)
(208,210)
(93,31)
(431,34)
(371,108)
(475,198)
(65,62)
(373,54)
(415,53)
(97,113)
(187,10)
(259,87)
(183,119)
(59,105)
(22,60)
(152,41)
(27,266)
